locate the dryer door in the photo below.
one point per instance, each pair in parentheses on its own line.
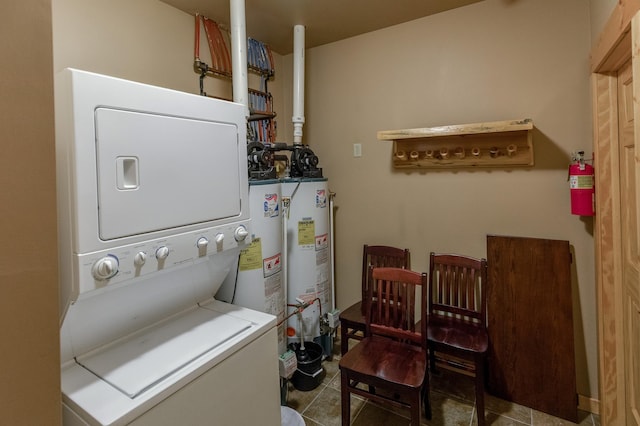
(158,172)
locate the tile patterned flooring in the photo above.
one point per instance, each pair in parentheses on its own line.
(452,403)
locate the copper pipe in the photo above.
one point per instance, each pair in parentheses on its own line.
(196,48)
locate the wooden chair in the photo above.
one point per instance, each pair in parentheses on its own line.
(457,319)
(389,365)
(352,322)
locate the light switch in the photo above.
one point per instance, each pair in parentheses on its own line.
(357,150)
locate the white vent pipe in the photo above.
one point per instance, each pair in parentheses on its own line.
(298,83)
(239,54)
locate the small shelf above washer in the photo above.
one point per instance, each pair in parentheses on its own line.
(493,144)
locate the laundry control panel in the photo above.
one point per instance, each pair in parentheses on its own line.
(117,265)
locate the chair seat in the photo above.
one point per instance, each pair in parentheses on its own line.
(353,314)
(352,326)
(386,359)
(465,337)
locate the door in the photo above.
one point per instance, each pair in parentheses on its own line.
(616,231)
(630,255)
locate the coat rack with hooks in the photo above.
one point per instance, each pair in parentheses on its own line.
(493,144)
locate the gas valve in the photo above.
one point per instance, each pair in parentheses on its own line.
(304,163)
(261,161)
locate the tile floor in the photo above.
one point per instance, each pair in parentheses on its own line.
(452,403)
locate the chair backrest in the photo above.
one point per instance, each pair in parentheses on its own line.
(379,257)
(392,304)
(458,287)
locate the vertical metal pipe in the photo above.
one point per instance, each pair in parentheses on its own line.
(332,252)
(239,53)
(298,83)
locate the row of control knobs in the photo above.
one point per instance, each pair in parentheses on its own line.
(107,266)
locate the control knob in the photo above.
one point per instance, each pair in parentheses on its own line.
(140,258)
(105,268)
(162,253)
(202,243)
(240,233)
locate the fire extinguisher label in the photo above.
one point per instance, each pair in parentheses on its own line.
(581,182)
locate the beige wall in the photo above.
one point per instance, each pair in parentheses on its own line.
(144,40)
(600,12)
(30,372)
(490,61)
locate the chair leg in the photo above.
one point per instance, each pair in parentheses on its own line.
(480,390)
(432,359)
(344,339)
(415,409)
(426,401)
(345,399)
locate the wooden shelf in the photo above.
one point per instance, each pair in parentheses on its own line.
(260,115)
(494,144)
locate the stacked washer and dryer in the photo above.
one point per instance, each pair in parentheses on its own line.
(153,210)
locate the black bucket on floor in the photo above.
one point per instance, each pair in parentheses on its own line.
(309,373)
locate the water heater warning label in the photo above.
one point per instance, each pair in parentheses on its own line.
(321,198)
(251,257)
(270,205)
(272,265)
(307,234)
(322,242)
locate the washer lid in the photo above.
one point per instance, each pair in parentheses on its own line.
(139,362)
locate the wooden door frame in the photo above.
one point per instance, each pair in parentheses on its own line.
(615,46)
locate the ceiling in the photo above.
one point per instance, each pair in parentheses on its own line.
(326,21)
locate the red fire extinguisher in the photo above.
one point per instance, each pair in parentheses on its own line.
(581,184)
